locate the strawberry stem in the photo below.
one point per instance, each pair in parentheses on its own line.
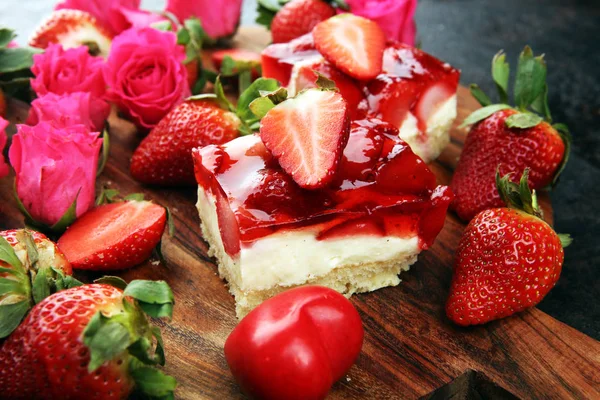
(518,196)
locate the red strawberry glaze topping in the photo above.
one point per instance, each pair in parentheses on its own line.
(412,81)
(382,188)
(279,59)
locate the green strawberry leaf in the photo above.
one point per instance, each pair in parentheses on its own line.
(530,80)
(152,382)
(244,79)
(565,135)
(228,66)
(501,74)
(265,11)
(105,337)
(8,255)
(134,197)
(251,93)
(155,298)
(62,281)
(565,239)
(480,95)
(483,113)
(523,120)
(6,35)
(159,352)
(325,83)
(224,103)
(114,281)
(41,286)
(12,60)
(518,196)
(105,149)
(11,286)
(106,196)
(11,316)
(540,105)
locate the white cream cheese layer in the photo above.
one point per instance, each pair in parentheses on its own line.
(293,257)
(438,131)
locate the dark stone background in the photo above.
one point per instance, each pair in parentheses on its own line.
(467,33)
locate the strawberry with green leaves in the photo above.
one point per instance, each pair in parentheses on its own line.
(93,341)
(507,260)
(164,157)
(515,138)
(31,268)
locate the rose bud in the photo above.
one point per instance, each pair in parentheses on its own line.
(66,110)
(55,172)
(145,74)
(62,71)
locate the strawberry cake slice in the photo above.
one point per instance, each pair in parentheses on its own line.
(316,199)
(396,83)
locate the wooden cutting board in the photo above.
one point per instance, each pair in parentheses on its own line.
(411,350)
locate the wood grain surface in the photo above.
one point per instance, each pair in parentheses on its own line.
(410,348)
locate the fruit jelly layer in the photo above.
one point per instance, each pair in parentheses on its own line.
(382,188)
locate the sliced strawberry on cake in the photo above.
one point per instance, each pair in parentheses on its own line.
(394,82)
(308,202)
(72,28)
(416,93)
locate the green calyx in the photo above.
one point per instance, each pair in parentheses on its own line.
(521,197)
(128,331)
(260,88)
(25,283)
(530,96)
(59,227)
(243,70)
(266,9)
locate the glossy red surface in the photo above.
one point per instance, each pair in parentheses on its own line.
(295,345)
(278,59)
(412,81)
(349,88)
(381,184)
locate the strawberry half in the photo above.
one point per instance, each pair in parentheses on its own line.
(72,28)
(353,44)
(114,236)
(307,134)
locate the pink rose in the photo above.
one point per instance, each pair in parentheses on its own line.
(62,71)
(114,15)
(68,109)
(396,17)
(146,75)
(3,139)
(53,165)
(219,17)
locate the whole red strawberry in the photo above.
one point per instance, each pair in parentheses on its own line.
(514,138)
(507,260)
(299,17)
(92,341)
(114,236)
(33,267)
(165,156)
